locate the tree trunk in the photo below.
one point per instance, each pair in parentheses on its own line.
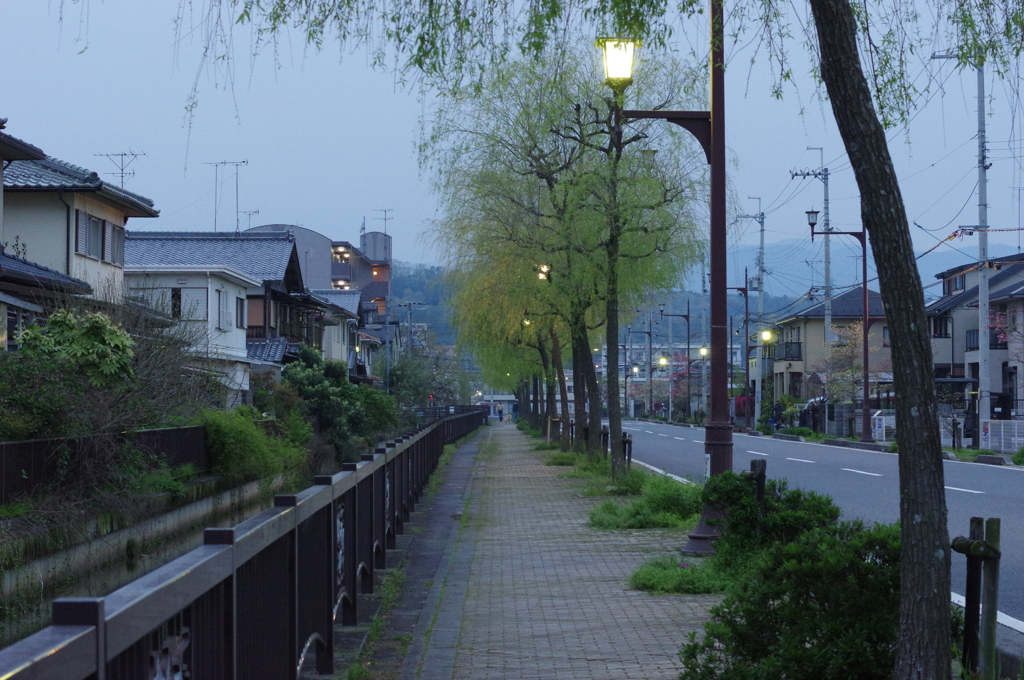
(578,338)
(563,393)
(924,634)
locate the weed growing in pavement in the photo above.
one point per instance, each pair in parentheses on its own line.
(564,458)
(669,574)
(547,446)
(435,479)
(663,503)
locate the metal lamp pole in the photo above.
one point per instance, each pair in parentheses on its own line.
(862,236)
(687,317)
(744,291)
(709,129)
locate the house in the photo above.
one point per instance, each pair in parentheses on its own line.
(280,313)
(798,353)
(211,303)
(69,220)
(956,334)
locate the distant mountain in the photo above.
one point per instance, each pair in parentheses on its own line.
(794,266)
(424,284)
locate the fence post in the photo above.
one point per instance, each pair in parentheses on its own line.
(990,601)
(85,611)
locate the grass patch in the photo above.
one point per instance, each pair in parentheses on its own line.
(970,455)
(563,458)
(547,446)
(663,503)
(15,510)
(435,479)
(1018,458)
(669,574)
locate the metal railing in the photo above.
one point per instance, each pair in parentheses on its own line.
(257,598)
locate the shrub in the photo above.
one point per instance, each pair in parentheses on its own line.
(787,512)
(663,503)
(766,429)
(824,606)
(241,451)
(798,431)
(1018,458)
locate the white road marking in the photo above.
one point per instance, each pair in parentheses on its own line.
(648,432)
(632,428)
(681,439)
(801,460)
(662,435)
(1002,618)
(953,488)
(698,441)
(861,472)
(758,453)
(663,472)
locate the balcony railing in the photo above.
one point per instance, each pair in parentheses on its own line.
(994,341)
(791,351)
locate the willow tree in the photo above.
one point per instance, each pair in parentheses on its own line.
(522,166)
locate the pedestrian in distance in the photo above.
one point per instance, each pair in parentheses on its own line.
(777,413)
(501,413)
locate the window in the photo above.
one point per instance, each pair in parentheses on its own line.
(240,315)
(940,326)
(116,245)
(885,336)
(222,310)
(175,303)
(959,282)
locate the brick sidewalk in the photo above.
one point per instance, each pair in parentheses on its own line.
(505,580)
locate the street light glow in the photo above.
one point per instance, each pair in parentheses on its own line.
(703,351)
(618,61)
(766,335)
(663,361)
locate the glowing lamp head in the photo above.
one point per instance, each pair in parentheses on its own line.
(663,361)
(618,61)
(766,336)
(703,351)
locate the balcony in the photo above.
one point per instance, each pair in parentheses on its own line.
(790,352)
(994,341)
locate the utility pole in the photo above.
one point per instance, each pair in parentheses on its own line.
(822,174)
(984,335)
(759,216)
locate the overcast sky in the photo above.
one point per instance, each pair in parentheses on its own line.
(330,142)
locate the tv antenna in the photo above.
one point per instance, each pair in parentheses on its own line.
(122,161)
(216,188)
(250,213)
(387,216)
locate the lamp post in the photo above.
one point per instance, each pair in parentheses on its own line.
(743,290)
(862,236)
(704,351)
(687,317)
(650,365)
(709,129)
(767,352)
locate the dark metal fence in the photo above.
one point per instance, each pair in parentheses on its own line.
(255,599)
(27,465)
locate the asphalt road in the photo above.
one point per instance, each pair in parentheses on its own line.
(865,484)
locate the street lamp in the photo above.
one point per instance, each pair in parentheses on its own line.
(862,236)
(687,317)
(709,129)
(744,291)
(704,351)
(619,54)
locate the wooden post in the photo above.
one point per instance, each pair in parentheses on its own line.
(990,602)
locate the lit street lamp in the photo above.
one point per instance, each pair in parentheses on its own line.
(862,236)
(709,129)
(687,317)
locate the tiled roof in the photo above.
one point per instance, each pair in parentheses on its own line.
(267,350)
(20,270)
(12,148)
(849,304)
(346,299)
(262,255)
(53,174)
(1003,283)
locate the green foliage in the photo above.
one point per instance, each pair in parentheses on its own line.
(663,503)
(343,409)
(15,509)
(823,606)
(1018,458)
(765,429)
(667,574)
(241,451)
(562,458)
(787,512)
(547,446)
(798,431)
(92,343)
